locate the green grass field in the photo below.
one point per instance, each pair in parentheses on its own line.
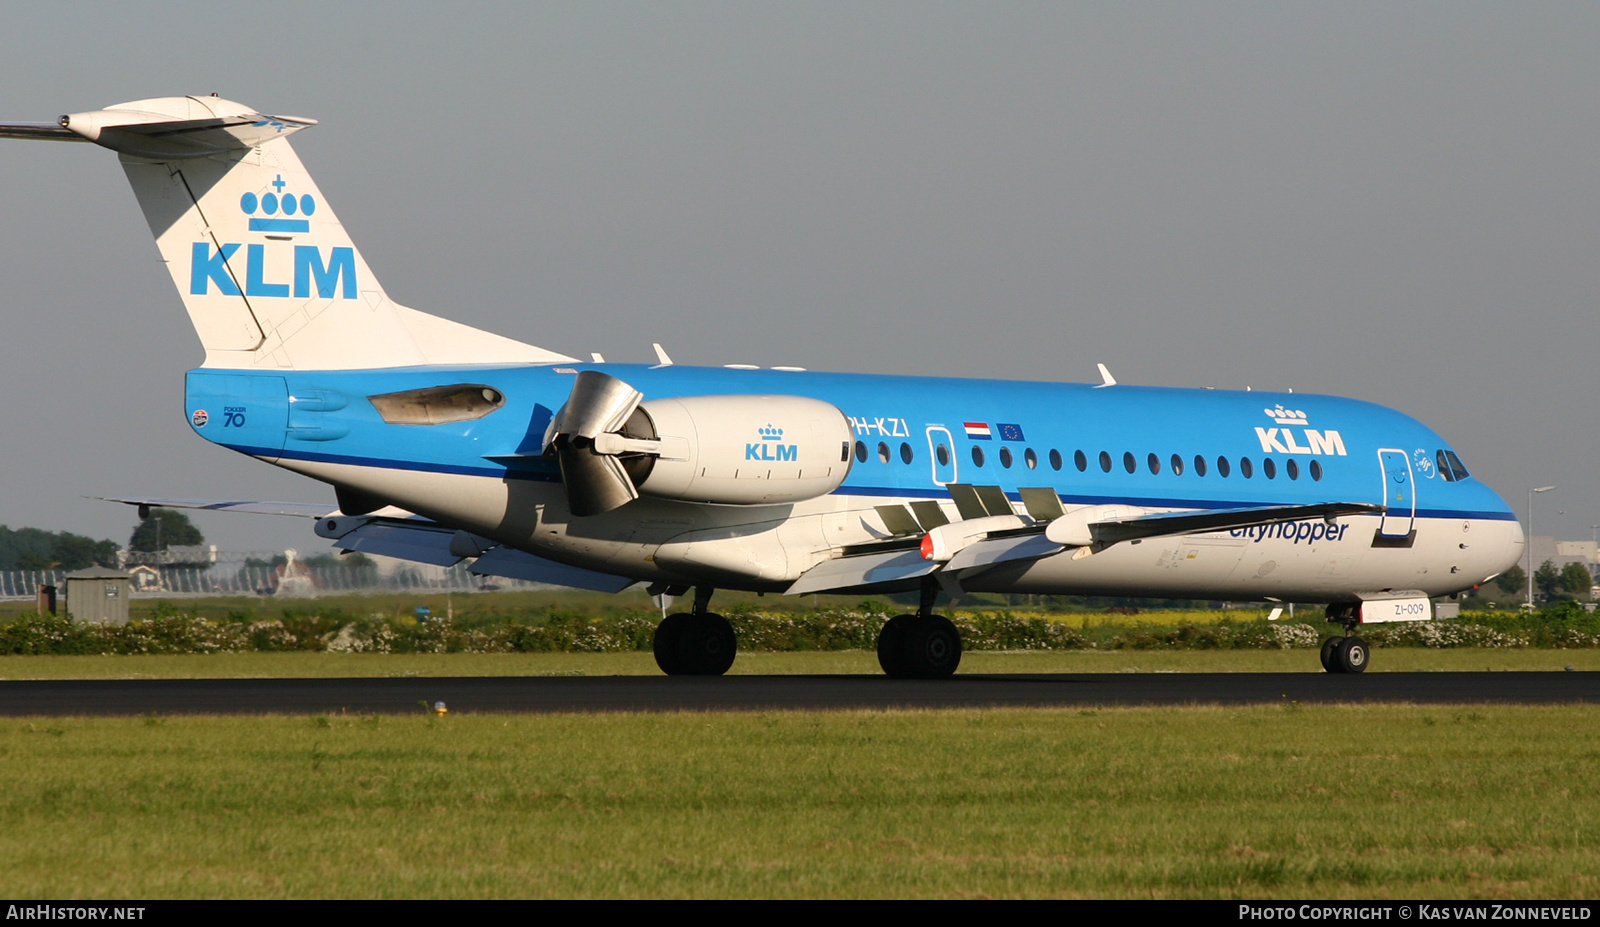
(1266,802)
(302,664)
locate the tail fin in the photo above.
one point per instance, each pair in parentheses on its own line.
(267,272)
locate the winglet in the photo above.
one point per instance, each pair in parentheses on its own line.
(661,354)
(1106,379)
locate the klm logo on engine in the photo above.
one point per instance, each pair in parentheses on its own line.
(331,274)
(1286,441)
(770,447)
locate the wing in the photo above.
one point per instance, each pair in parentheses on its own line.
(990,533)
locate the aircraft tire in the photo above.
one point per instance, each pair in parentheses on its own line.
(695,645)
(713,645)
(1330,648)
(892,646)
(668,644)
(1353,655)
(932,648)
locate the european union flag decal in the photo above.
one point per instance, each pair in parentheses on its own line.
(1009,432)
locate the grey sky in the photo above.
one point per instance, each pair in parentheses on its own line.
(1393,202)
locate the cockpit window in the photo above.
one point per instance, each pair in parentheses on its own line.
(438,405)
(1450,466)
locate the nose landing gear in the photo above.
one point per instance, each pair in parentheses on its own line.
(1348,654)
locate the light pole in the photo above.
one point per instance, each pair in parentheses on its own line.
(1530,540)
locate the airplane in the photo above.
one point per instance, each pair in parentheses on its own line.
(444,443)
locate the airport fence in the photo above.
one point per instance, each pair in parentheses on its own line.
(262,577)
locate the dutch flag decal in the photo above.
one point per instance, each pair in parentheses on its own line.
(978,431)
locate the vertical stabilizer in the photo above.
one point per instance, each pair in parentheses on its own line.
(267,272)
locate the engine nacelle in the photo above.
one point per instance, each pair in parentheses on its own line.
(745,450)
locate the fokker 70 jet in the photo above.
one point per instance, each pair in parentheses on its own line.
(445,443)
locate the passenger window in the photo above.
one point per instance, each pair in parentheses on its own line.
(1269,468)
(1128,462)
(1055,459)
(1080,460)
(1199,465)
(1316,470)
(883,452)
(1105,462)
(905,452)
(943,453)
(1222,467)
(861,451)
(1155,463)
(1031,459)
(977,456)
(1245,469)
(1292,468)
(1005,457)
(1177,465)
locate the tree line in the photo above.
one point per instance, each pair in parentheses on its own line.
(1553,583)
(38,549)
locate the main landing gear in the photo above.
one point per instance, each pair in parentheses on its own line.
(920,646)
(699,643)
(1349,654)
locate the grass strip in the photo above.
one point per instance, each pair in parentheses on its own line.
(1282,801)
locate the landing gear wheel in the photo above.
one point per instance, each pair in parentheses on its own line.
(714,644)
(1352,655)
(913,647)
(695,645)
(1329,648)
(933,648)
(892,645)
(668,644)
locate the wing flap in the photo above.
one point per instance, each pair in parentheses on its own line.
(864,570)
(1000,550)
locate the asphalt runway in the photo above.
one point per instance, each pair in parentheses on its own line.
(534,694)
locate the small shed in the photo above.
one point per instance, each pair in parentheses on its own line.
(99,595)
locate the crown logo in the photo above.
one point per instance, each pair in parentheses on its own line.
(1286,416)
(770,432)
(275,201)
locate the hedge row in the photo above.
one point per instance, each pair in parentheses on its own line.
(171,631)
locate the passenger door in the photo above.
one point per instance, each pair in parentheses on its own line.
(1399,493)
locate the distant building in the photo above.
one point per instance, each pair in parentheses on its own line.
(99,595)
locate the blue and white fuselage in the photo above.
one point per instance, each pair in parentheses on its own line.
(910,438)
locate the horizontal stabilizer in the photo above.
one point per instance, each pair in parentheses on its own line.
(518,564)
(864,570)
(295,509)
(39,131)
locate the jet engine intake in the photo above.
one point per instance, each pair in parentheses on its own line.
(614,446)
